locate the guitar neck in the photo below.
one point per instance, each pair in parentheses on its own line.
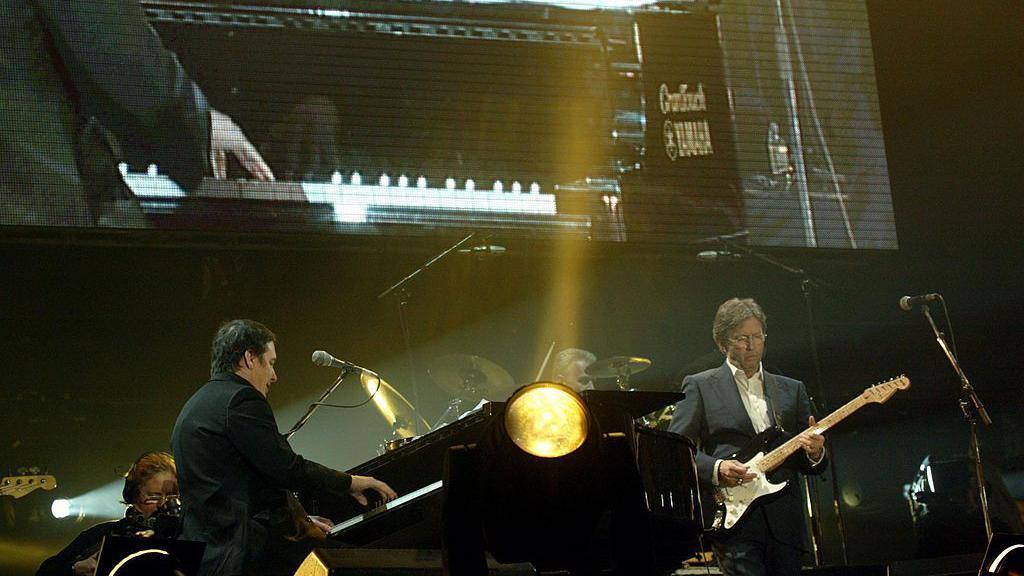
(775,458)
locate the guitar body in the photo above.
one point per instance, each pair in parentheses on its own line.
(736,500)
(731,503)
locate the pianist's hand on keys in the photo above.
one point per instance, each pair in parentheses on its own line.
(226,136)
(363,484)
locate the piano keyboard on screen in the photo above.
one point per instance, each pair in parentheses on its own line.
(354,202)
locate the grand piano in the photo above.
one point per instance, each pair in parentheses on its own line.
(415,470)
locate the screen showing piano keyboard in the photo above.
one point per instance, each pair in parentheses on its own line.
(604,121)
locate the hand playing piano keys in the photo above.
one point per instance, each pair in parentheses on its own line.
(379,491)
(226,136)
(322,523)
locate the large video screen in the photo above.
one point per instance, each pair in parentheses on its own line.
(618,122)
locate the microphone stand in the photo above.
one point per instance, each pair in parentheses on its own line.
(404,295)
(295,507)
(972,409)
(806,284)
(313,407)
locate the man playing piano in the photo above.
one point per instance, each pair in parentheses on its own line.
(235,469)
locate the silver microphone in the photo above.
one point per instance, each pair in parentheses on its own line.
(321,358)
(907,303)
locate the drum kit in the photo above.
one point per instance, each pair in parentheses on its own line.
(470,380)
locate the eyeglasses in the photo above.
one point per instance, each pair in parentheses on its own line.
(159,500)
(747,339)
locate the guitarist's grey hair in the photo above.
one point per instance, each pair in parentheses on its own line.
(731,314)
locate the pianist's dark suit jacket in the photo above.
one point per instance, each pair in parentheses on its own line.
(233,465)
(78,80)
(713,417)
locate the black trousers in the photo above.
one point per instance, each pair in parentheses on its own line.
(753,551)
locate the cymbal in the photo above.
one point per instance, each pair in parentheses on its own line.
(471,377)
(398,411)
(617,366)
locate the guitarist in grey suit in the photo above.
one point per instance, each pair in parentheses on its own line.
(724,409)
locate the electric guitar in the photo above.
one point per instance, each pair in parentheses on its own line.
(18,486)
(732,502)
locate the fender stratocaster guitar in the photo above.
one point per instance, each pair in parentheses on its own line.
(732,502)
(18,486)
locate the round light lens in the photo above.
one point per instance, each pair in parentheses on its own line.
(60,508)
(546,420)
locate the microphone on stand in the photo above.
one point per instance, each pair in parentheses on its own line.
(907,303)
(716,255)
(321,358)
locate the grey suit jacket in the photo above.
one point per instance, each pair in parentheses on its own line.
(712,415)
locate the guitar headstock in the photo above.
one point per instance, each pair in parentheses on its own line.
(882,391)
(18,486)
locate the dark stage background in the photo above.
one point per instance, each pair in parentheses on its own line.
(104,337)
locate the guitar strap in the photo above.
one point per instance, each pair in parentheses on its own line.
(771,402)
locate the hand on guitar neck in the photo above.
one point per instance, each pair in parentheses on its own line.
(812,441)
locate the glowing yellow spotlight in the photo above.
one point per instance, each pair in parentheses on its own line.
(546,419)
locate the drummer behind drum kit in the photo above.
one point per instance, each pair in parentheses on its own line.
(471,380)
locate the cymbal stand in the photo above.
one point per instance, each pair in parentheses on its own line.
(469,391)
(404,295)
(622,378)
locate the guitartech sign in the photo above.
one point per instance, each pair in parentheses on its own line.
(689,179)
(684,135)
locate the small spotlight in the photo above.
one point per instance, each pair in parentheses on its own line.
(61,508)
(546,419)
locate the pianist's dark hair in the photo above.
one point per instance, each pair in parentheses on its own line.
(233,339)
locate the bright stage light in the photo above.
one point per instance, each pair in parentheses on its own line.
(61,508)
(546,419)
(102,503)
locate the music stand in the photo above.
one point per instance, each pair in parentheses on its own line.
(131,556)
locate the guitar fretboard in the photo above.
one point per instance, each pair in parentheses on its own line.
(875,394)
